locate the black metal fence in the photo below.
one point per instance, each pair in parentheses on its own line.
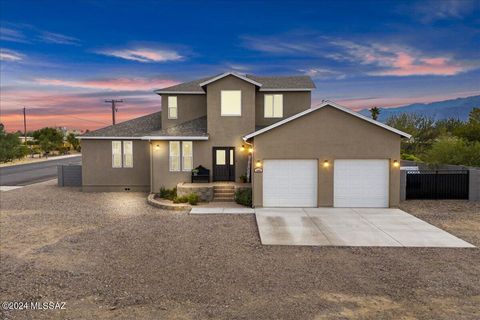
(437,184)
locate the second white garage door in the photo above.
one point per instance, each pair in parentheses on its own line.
(290,183)
(361,183)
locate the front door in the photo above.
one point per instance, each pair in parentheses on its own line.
(223,164)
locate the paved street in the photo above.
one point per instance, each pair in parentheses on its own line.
(25,174)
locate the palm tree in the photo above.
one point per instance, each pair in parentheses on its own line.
(375,112)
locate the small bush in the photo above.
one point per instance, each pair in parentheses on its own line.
(193,199)
(244,197)
(168,194)
(183,199)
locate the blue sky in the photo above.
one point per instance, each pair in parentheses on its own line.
(61,59)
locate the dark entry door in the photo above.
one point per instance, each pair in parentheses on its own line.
(223,164)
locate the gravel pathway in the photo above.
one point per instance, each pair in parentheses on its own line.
(111,256)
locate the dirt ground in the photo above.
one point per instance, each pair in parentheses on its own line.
(111,256)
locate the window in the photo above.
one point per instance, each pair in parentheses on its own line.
(187,156)
(122,157)
(116,154)
(231,102)
(172,108)
(221,157)
(174,149)
(231,157)
(127,154)
(273,106)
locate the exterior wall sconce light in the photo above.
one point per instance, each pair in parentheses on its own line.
(242,148)
(258,164)
(326,164)
(157,147)
(396,164)
(250,150)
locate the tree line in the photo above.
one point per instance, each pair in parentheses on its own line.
(449,141)
(45,141)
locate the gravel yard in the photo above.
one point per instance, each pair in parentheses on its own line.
(111,256)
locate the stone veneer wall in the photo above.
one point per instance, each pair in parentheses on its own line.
(205,193)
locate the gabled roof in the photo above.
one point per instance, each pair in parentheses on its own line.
(134,128)
(284,83)
(195,129)
(223,75)
(325,104)
(274,83)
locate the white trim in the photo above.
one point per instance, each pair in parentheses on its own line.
(109,138)
(150,138)
(324,104)
(223,75)
(177,92)
(286,89)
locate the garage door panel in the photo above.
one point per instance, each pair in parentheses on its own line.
(361,183)
(290,183)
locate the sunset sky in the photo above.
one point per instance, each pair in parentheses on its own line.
(62,59)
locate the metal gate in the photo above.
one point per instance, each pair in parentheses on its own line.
(438,184)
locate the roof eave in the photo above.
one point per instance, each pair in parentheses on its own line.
(150,138)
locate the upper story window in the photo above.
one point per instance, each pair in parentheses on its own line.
(122,157)
(172,108)
(273,106)
(231,103)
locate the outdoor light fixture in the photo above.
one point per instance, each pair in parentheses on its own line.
(250,150)
(326,164)
(258,164)
(242,148)
(157,147)
(396,164)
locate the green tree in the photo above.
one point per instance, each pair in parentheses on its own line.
(421,128)
(375,112)
(448,127)
(48,139)
(453,150)
(10,146)
(73,141)
(471,130)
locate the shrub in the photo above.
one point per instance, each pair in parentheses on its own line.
(182,199)
(168,194)
(193,199)
(244,197)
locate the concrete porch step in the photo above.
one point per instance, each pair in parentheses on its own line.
(223,188)
(223,199)
(224,192)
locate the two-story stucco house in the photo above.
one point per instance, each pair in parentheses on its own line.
(261,127)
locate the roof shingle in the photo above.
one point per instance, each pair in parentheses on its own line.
(132,128)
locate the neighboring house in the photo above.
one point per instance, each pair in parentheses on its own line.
(298,155)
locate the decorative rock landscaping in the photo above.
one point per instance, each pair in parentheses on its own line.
(166,204)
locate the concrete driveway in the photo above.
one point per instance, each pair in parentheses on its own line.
(380,227)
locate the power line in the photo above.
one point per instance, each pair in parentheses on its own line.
(114,108)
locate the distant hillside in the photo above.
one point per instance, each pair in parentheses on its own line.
(455,108)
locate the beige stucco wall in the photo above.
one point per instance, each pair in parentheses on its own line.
(228,131)
(98,174)
(189,107)
(328,134)
(162,177)
(293,102)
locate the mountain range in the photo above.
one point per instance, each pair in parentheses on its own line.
(454,108)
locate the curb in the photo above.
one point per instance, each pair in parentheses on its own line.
(165,205)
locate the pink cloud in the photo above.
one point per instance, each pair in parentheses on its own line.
(118,84)
(73,110)
(405,64)
(143,54)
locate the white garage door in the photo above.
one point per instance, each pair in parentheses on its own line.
(361,183)
(290,183)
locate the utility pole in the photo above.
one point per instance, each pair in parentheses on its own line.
(114,108)
(25,124)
